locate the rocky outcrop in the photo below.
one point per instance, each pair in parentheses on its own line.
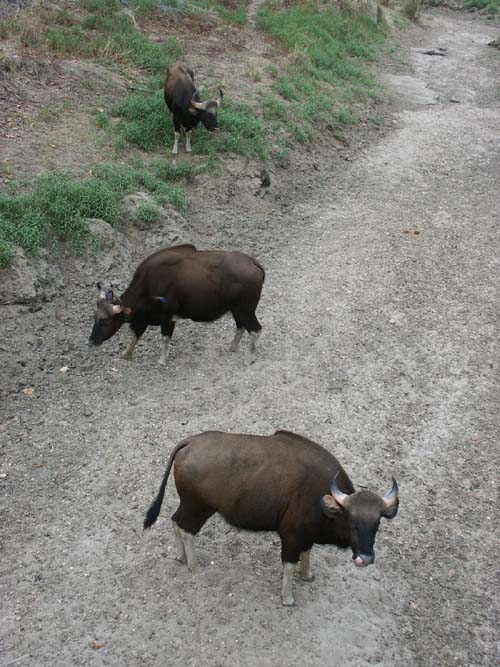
(29,278)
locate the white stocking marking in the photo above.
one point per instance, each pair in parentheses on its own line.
(188,540)
(164,353)
(175,148)
(236,340)
(131,347)
(305,566)
(287,588)
(179,544)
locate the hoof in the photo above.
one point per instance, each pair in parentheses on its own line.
(310,578)
(181,560)
(288,603)
(127,356)
(162,362)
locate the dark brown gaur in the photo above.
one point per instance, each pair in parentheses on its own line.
(284,483)
(184,102)
(183,283)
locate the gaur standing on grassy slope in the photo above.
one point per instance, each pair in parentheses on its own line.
(283,482)
(183,283)
(184,102)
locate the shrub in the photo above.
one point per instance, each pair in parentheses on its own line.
(411,9)
(146,212)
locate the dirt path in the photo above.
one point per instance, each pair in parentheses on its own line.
(380,341)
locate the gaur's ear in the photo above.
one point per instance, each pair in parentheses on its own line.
(330,506)
(390,512)
(109,295)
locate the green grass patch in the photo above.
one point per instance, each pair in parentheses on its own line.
(58,206)
(491,6)
(145,121)
(230,14)
(167,170)
(101,31)
(146,212)
(328,54)
(273,108)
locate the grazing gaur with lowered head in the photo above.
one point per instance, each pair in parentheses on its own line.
(183,283)
(283,482)
(184,102)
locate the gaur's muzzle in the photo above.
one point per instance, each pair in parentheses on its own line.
(362,560)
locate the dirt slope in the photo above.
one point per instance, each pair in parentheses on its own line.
(380,341)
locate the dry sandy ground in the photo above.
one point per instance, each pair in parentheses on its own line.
(380,341)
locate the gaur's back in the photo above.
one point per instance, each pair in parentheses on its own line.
(250,479)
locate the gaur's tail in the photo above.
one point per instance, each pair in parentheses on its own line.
(259,266)
(154,510)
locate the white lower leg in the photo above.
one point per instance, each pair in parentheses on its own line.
(287,587)
(175,148)
(252,354)
(188,142)
(305,566)
(180,552)
(131,347)
(254,337)
(188,541)
(236,340)
(164,353)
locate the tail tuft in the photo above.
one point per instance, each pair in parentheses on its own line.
(152,514)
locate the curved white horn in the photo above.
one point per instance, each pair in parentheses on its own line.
(391,497)
(116,309)
(201,106)
(340,497)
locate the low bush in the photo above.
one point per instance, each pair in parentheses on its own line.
(146,212)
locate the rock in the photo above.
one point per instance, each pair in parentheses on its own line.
(409,90)
(29,278)
(169,229)
(113,250)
